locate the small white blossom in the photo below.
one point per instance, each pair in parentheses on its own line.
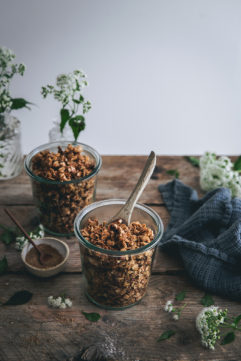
(168,306)
(62,305)
(68,302)
(59,302)
(22,241)
(176,317)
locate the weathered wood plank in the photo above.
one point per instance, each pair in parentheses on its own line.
(26,215)
(41,333)
(116,179)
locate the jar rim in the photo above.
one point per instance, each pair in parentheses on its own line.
(92,151)
(92,206)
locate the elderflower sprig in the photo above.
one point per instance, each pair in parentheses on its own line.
(7,70)
(219,172)
(35,234)
(69,91)
(59,302)
(175,310)
(208,324)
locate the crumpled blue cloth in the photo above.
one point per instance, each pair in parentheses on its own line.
(207,234)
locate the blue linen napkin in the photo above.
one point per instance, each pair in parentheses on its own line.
(207,234)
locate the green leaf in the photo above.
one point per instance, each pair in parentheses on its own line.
(64,114)
(77,85)
(19,298)
(237,320)
(193,160)
(8,236)
(165,335)
(18,103)
(92,316)
(207,300)
(77,124)
(3,265)
(180,296)
(173,172)
(228,338)
(237,164)
(80,100)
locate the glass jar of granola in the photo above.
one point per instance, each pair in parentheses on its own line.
(63,176)
(117,259)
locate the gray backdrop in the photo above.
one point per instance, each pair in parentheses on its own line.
(164,75)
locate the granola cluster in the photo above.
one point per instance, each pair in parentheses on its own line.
(65,165)
(117,281)
(59,203)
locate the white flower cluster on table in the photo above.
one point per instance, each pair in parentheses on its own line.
(22,241)
(218,172)
(208,322)
(59,302)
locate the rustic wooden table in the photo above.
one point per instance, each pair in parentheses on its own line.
(36,332)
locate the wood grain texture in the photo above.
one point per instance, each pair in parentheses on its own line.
(116,179)
(41,333)
(35,332)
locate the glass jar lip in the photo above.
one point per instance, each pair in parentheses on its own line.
(42,147)
(87,244)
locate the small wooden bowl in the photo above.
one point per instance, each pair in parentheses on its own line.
(51,271)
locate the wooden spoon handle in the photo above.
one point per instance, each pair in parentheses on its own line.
(141,184)
(126,211)
(21,228)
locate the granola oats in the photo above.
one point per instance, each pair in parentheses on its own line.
(59,203)
(116,281)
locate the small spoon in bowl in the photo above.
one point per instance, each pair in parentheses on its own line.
(124,214)
(43,257)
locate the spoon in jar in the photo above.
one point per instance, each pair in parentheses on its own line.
(43,257)
(124,214)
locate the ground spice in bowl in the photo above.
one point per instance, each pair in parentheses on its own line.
(32,257)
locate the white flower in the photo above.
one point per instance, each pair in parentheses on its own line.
(68,302)
(62,305)
(22,241)
(59,302)
(218,172)
(168,306)
(208,322)
(7,71)
(50,300)
(175,317)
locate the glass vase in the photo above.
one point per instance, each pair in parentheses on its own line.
(11,159)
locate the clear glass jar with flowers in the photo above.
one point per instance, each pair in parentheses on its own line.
(69,92)
(10,127)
